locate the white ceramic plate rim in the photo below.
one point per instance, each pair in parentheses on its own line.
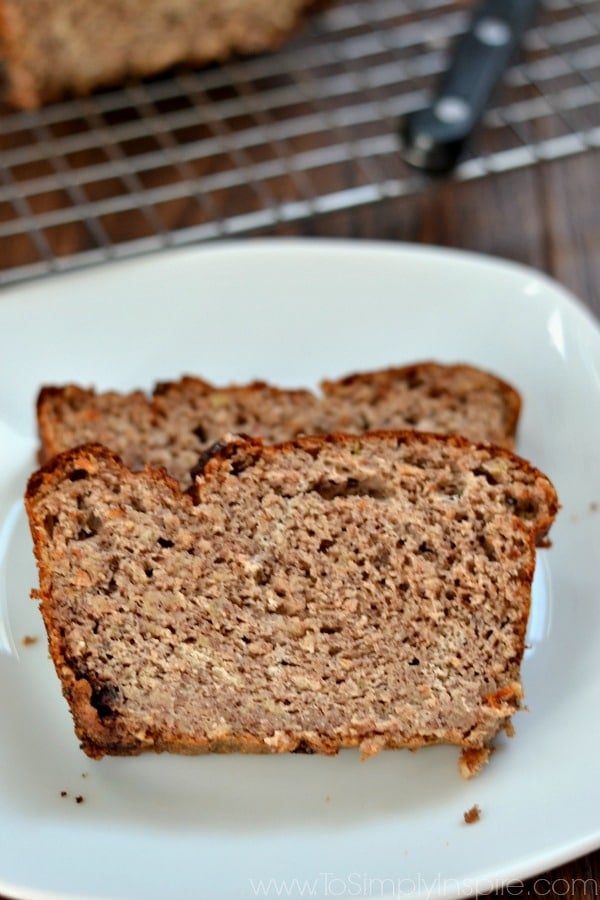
(257,280)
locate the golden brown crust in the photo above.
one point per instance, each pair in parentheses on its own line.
(198,385)
(98,742)
(387,377)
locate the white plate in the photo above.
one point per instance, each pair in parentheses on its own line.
(244,827)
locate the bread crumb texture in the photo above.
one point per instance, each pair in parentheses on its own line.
(184,418)
(331,592)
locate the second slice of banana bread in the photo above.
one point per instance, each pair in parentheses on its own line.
(183,418)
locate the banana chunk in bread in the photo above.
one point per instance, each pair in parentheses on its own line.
(183,418)
(330,592)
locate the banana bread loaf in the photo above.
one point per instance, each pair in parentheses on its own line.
(330,592)
(183,418)
(74,46)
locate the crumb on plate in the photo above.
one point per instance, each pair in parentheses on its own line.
(472,815)
(29,639)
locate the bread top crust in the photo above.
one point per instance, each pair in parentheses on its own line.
(222,458)
(473,380)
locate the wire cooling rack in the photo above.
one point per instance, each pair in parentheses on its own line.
(243,147)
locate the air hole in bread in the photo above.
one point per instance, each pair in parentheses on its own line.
(452,489)
(304,747)
(413,380)
(329,489)
(205,458)
(49,522)
(137,504)
(425,550)
(488,548)
(103,700)
(78,475)
(240,465)
(325,545)
(262,575)
(165,542)
(93,522)
(481,472)
(526,509)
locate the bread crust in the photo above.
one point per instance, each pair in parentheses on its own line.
(162,429)
(511,397)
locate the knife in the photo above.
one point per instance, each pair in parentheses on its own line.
(435,138)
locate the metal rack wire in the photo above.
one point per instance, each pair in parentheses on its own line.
(240,148)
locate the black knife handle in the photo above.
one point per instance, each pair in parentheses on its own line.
(434,138)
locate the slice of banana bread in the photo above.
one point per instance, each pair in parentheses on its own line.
(330,592)
(183,418)
(74,46)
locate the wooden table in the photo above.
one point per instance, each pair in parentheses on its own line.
(547,217)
